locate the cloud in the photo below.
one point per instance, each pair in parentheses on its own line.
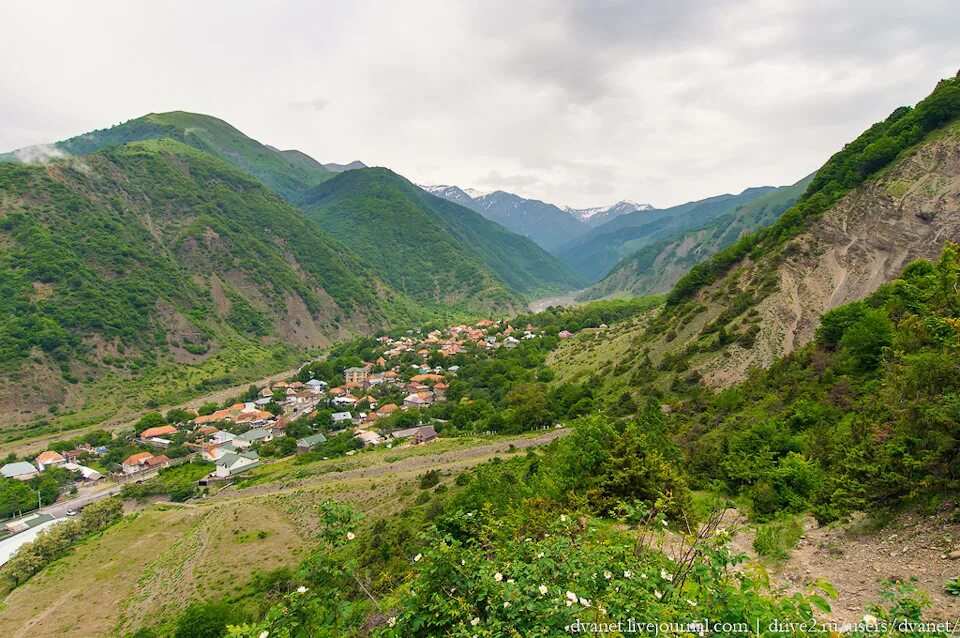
(573,102)
(317,104)
(39,154)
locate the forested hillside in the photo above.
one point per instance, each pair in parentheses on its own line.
(598,252)
(156,252)
(658,266)
(430,248)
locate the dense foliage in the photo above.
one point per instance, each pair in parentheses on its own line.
(429,248)
(866,417)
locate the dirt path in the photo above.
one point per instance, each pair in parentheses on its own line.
(856,560)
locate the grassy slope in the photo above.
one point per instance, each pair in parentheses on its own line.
(431,248)
(598,252)
(657,266)
(150,566)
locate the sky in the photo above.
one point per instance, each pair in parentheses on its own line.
(575,103)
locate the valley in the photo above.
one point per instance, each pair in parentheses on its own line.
(250,392)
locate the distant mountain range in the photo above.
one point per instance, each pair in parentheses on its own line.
(548,225)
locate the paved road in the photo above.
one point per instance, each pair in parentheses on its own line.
(59,509)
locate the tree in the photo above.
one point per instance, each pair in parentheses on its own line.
(204,620)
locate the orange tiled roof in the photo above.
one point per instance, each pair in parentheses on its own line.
(138,458)
(50,457)
(160,430)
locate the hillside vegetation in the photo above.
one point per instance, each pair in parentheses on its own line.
(599,251)
(155,251)
(286,172)
(656,267)
(432,249)
(858,224)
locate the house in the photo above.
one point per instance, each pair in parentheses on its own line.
(368,437)
(134,463)
(307,443)
(404,434)
(159,442)
(232,464)
(418,399)
(213,454)
(207,429)
(564,334)
(48,458)
(341,417)
(159,431)
(156,462)
(266,393)
(316,385)
(222,436)
(355,375)
(256,435)
(426,434)
(20,470)
(254,417)
(345,400)
(387,409)
(86,473)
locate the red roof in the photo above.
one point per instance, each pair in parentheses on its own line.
(160,430)
(138,459)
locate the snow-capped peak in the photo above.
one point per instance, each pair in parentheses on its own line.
(614,210)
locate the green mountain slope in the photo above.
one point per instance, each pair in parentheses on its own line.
(656,267)
(142,257)
(432,249)
(286,172)
(889,197)
(599,251)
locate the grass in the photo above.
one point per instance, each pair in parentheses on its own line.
(774,540)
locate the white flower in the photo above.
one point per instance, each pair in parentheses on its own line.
(392,621)
(665,575)
(870,620)
(527,540)
(628,574)
(264,633)
(691,603)
(657,594)
(584,602)
(510,580)
(643,576)
(540,555)
(571,596)
(607,574)
(569,603)
(506,604)
(475,621)
(664,522)
(543,590)
(498,577)
(417,558)
(350,536)
(563,518)
(301,589)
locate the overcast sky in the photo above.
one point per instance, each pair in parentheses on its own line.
(579,103)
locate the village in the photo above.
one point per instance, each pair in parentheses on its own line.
(324,411)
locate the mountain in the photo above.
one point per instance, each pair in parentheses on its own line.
(597,252)
(594,217)
(655,268)
(158,270)
(286,172)
(339,168)
(433,249)
(889,197)
(548,225)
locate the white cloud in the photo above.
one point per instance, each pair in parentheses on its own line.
(579,103)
